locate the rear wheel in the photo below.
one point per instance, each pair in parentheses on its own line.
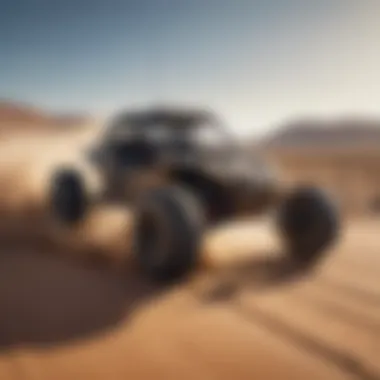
(309,224)
(168,231)
(68,199)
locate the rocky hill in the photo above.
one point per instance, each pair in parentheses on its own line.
(16,116)
(322,134)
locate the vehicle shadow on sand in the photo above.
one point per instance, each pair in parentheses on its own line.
(46,299)
(261,273)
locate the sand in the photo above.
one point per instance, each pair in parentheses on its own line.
(242,315)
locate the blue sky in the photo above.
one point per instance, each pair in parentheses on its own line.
(256,62)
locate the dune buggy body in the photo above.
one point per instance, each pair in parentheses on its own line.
(181,171)
(147,149)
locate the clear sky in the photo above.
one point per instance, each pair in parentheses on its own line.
(257,62)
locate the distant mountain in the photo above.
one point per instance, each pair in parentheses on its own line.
(342,133)
(19,115)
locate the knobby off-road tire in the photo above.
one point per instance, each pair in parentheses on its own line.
(68,198)
(309,224)
(168,230)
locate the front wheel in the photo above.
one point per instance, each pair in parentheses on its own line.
(309,224)
(168,231)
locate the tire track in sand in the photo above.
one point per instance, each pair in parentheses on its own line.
(333,339)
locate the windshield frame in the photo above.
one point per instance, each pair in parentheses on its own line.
(141,124)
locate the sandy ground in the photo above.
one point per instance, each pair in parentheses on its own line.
(243,315)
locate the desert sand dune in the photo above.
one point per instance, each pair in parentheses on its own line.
(244,314)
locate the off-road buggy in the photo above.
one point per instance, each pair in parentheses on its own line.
(181,172)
